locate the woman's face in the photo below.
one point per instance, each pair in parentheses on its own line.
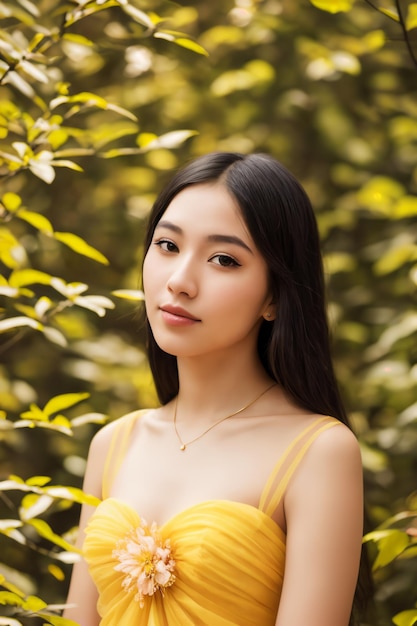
(205,282)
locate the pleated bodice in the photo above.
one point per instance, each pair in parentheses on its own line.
(217,563)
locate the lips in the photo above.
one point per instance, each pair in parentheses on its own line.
(179,312)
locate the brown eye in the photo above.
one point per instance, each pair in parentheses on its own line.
(166,245)
(225,260)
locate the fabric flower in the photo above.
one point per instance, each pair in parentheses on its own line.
(145,560)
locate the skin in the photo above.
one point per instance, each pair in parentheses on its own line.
(223,285)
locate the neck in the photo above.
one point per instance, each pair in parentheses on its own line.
(212,387)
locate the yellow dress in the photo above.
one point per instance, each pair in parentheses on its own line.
(221,562)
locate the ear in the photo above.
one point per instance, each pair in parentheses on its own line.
(270,313)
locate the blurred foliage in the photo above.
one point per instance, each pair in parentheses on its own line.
(126,91)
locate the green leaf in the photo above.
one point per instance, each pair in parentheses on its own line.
(82,247)
(64,401)
(405,618)
(333,6)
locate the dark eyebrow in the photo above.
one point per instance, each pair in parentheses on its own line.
(214,238)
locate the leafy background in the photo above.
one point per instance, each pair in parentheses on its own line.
(99,102)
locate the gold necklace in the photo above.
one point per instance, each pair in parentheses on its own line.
(184,445)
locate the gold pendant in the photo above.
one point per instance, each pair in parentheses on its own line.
(182,447)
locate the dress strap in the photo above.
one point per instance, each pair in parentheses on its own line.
(117,449)
(285,467)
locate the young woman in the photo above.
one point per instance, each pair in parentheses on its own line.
(239,501)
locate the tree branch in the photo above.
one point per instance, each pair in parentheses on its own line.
(405,32)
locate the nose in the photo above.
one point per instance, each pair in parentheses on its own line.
(183,278)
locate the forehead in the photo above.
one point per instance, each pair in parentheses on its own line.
(206,207)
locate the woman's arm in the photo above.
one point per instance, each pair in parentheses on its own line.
(324,514)
(82,592)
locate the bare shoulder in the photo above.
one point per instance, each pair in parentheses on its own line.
(337,443)
(332,463)
(100,443)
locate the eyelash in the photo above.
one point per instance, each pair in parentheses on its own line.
(231,262)
(167,242)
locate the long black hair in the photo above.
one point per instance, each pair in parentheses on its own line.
(295,348)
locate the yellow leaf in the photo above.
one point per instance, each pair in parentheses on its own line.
(143,139)
(29,311)
(46,532)
(223,35)
(11,201)
(73,494)
(405,618)
(395,258)
(35,219)
(129,294)
(56,572)
(64,401)
(411,21)
(335,262)
(38,481)
(34,505)
(10,598)
(20,278)
(78,39)
(82,247)
(379,194)
(333,6)
(391,13)
(191,45)
(390,544)
(406,207)
(374,40)
(33,604)
(35,413)
(263,71)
